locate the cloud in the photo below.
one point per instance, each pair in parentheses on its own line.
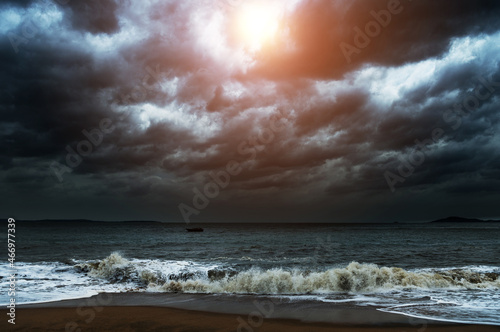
(418,30)
(94,16)
(185,99)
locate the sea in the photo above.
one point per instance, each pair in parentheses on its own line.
(444,271)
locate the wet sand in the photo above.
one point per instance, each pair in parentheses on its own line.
(186,312)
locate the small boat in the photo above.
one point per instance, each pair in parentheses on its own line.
(197,229)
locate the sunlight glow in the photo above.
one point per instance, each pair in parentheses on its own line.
(258,24)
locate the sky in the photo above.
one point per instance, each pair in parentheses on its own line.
(250,111)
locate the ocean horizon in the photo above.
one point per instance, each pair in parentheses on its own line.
(250,165)
(407,269)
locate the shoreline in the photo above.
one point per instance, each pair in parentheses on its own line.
(179,312)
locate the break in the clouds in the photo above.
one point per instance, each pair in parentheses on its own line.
(228,110)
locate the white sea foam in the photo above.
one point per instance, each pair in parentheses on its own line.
(469,293)
(50,281)
(116,268)
(355,278)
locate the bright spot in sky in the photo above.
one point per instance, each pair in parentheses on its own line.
(258,23)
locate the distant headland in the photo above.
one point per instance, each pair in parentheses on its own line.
(460,220)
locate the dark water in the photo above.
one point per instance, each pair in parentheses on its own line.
(446,271)
(406,246)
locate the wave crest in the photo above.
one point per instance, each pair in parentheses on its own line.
(356,277)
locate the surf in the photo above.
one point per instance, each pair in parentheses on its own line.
(353,278)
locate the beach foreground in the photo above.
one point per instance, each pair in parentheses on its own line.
(186,312)
(168,319)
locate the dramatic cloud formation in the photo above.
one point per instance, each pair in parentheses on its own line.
(167,110)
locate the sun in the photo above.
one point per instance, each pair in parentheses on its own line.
(257,24)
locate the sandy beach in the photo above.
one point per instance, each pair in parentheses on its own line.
(185,312)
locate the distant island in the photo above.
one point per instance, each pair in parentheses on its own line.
(460,220)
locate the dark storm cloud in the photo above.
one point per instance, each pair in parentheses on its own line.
(341,113)
(16,3)
(94,16)
(418,30)
(41,92)
(179,113)
(54,89)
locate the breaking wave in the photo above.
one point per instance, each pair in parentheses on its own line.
(189,277)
